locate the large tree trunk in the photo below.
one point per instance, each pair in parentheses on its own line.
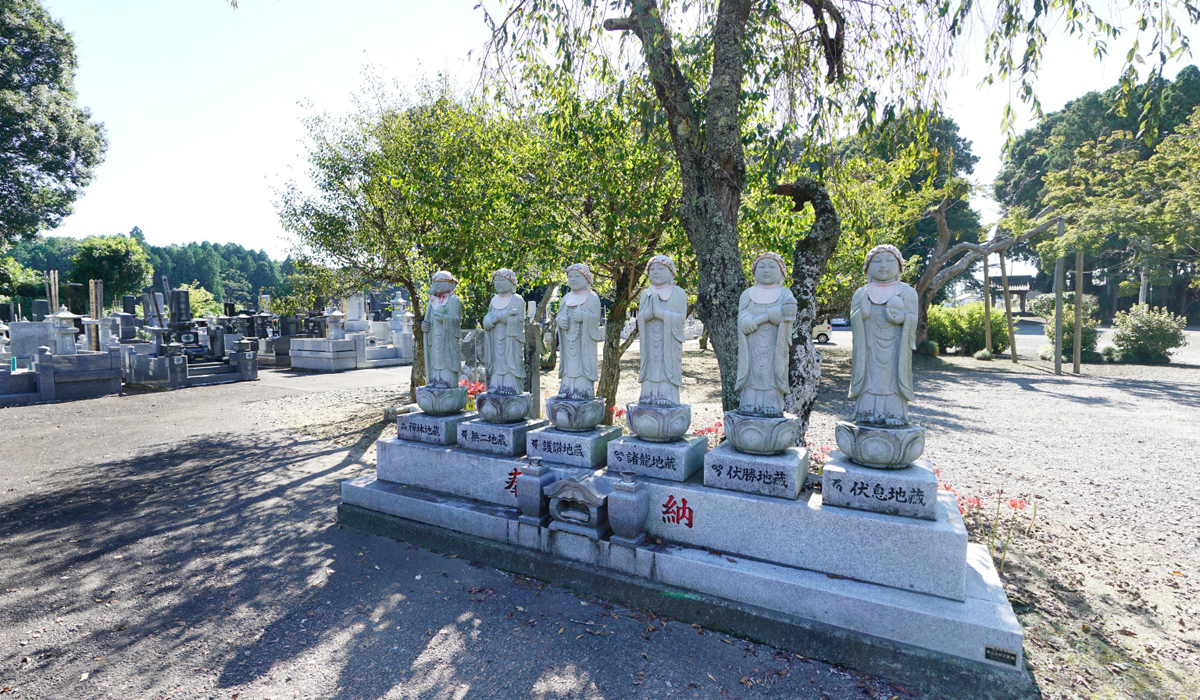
(809,261)
(417,376)
(610,362)
(712,165)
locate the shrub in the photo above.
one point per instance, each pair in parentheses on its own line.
(1143,334)
(1109,353)
(1044,306)
(929,348)
(983,355)
(962,327)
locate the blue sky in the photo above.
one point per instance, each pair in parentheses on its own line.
(202,103)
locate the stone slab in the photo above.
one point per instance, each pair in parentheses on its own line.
(435,430)
(910,491)
(577,449)
(454,471)
(781,476)
(673,461)
(323,363)
(972,629)
(906,553)
(497,438)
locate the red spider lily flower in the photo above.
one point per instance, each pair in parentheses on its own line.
(946,487)
(463,382)
(937,472)
(1016,503)
(973,502)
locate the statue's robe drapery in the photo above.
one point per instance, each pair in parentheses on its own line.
(578,367)
(504,344)
(881,366)
(762,376)
(660,335)
(443,355)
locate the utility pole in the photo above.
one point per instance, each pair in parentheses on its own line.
(987,305)
(1077,350)
(1012,338)
(1058,306)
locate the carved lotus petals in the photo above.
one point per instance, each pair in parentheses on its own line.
(502,408)
(441,401)
(574,415)
(761,435)
(880,447)
(658,423)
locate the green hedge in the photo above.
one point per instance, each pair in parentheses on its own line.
(961,327)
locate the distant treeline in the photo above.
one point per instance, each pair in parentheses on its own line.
(228,270)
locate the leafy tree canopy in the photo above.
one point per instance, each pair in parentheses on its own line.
(49,146)
(119,261)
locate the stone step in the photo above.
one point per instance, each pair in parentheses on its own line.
(209,370)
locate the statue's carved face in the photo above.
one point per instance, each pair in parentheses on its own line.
(660,274)
(576,281)
(503,285)
(884,267)
(768,272)
(442,286)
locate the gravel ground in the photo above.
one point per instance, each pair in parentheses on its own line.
(183,545)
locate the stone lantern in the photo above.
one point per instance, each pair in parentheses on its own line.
(64,331)
(336,320)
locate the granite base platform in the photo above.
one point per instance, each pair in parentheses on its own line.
(938,647)
(673,461)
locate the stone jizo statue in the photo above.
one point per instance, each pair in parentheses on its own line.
(579,329)
(504,342)
(766,314)
(662,310)
(442,328)
(883,319)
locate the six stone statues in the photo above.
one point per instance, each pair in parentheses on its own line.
(883,320)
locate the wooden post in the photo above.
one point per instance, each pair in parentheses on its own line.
(1058,304)
(1012,338)
(533,367)
(987,305)
(54,291)
(1077,345)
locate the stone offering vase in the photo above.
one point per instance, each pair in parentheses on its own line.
(575,415)
(761,435)
(441,401)
(880,446)
(628,506)
(502,408)
(658,423)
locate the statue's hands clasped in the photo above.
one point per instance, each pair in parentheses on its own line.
(775,316)
(564,319)
(749,324)
(895,311)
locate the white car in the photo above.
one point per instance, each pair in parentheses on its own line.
(821,331)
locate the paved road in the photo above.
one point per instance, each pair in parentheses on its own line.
(1031,337)
(179,545)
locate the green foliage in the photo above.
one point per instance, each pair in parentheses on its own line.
(983,355)
(119,261)
(929,348)
(211,264)
(16,280)
(49,145)
(202,301)
(46,253)
(1043,305)
(1145,334)
(961,327)
(403,189)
